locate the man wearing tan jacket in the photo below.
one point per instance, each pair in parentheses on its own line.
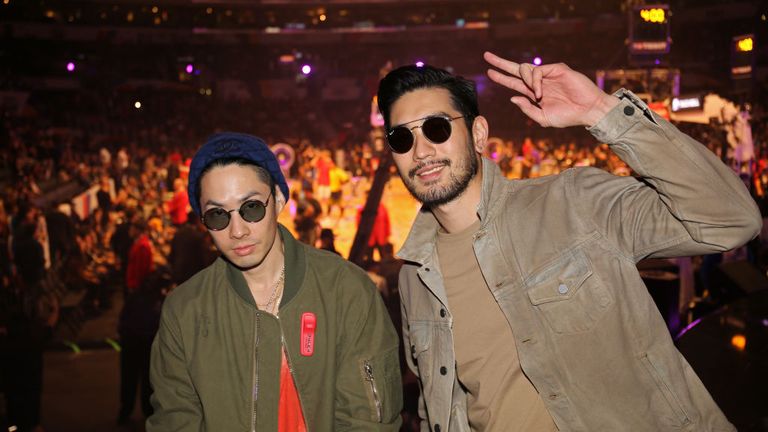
(522,306)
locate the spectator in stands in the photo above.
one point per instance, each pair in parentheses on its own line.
(328,240)
(137,326)
(191,250)
(337,179)
(308,212)
(380,231)
(140,258)
(178,206)
(31,314)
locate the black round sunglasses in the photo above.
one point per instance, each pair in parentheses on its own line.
(437,129)
(252,211)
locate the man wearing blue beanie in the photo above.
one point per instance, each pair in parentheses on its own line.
(275,335)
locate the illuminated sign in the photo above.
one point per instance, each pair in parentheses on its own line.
(742,56)
(649,30)
(744,45)
(654,15)
(686,103)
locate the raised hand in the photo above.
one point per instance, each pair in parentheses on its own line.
(553,95)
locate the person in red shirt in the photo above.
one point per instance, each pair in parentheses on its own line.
(178,206)
(140,262)
(379,233)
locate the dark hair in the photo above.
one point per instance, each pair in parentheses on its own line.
(406,79)
(261,172)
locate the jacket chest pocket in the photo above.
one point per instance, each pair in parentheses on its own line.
(421,339)
(569,296)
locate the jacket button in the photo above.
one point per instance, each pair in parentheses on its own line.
(562,289)
(426,268)
(443,370)
(437,427)
(442,313)
(628,110)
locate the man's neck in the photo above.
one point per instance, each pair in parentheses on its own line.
(261,278)
(460,213)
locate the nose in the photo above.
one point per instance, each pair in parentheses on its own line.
(238,228)
(422,147)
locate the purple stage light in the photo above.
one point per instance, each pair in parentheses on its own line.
(190,68)
(419,63)
(537,61)
(306,69)
(71,67)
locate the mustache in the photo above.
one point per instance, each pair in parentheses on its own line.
(422,165)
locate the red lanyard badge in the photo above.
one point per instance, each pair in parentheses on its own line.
(308,326)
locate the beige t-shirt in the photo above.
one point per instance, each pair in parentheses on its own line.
(500,397)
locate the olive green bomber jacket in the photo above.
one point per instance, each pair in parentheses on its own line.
(216,358)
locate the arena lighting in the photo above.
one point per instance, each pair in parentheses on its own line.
(306,69)
(739,342)
(137,105)
(190,68)
(654,15)
(537,61)
(686,103)
(71,67)
(745,45)
(419,63)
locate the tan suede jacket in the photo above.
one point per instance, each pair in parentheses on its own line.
(559,255)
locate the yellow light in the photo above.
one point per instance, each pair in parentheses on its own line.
(6,1)
(50,13)
(209,10)
(137,105)
(322,17)
(739,342)
(129,16)
(155,9)
(157,20)
(745,45)
(655,15)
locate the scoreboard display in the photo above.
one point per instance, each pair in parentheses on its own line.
(742,56)
(649,29)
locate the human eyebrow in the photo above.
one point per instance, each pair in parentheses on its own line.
(250,195)
(435,114)
(212,203)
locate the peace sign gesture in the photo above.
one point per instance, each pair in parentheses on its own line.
(553,95)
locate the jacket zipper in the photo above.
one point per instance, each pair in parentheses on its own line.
(369,377)
(293,377)
(255,372)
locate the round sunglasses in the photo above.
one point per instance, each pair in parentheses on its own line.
(437,129)
(252,211)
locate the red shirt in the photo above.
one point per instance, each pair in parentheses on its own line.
(177,207)
(381,228)
(140,263)
(290,418)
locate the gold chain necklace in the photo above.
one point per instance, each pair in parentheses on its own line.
(269,305)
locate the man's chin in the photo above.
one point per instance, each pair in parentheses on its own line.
(243,263)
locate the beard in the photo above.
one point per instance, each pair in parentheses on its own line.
(467,168)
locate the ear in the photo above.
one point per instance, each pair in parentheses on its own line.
(279,200)
(480,134)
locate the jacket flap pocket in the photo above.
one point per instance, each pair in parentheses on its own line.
(559,281)
(419,333)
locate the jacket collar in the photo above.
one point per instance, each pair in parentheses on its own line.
(295,266)
(420,243)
